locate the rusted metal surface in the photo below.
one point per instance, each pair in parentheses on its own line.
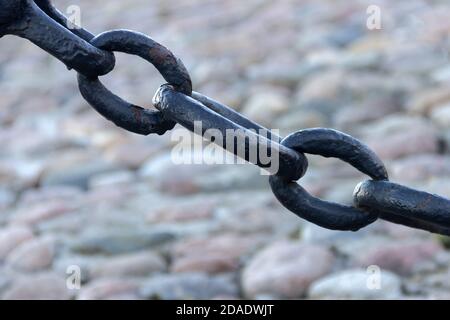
(123,114)
(328,143)
(55,14)
(404,205)
(136,43)
(42,24)
(187,111)
(25,19)
(232,115)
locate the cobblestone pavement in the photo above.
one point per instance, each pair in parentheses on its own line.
(79,194)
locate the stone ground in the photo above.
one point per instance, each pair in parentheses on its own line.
(79,194)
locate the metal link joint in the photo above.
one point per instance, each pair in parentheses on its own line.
(176,103)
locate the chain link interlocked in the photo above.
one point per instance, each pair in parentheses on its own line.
(92,56)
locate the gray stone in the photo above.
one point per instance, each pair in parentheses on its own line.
(183,179)
(19,173)
(441,116)
(263,106)
(34,197)
(133,155)
(187,286)
(7,198)
(439,280)
(345,35)
(263,215)
(138,264)
(437,185)
(299,119)
(116,243)
(77,175)
(371,109)
(175,179)
(357,284)
(111,179)
(4,283)
(322,87)
(287,74)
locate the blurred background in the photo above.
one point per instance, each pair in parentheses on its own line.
(81,197)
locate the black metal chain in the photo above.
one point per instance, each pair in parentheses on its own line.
(92,56)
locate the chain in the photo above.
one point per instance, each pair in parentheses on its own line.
(92,56)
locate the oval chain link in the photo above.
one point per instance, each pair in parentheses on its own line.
(42,24)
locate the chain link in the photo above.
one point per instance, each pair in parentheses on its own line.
(176,103)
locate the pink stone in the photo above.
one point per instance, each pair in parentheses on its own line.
(286,269)
(12,237)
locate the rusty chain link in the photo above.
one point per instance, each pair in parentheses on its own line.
(92,56)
